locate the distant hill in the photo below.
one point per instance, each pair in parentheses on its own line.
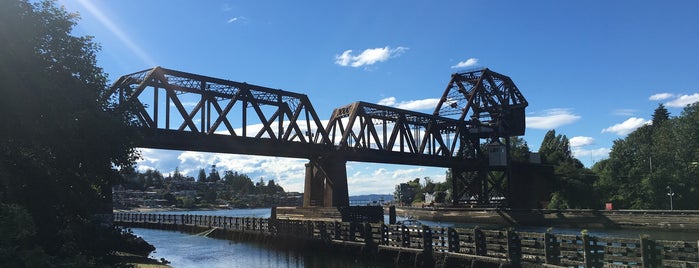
(371,197)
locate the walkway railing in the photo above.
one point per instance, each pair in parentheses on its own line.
(492,246)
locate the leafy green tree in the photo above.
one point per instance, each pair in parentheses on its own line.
(573,182)
(519,150)
(62,142)
(642,166)
(274,188)
(239,183)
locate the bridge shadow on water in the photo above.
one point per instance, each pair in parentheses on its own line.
(190,250)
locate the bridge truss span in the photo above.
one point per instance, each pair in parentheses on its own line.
(183,111)
(175,106)
(490,101)
(365,131)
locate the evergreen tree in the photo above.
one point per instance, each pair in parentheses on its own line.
(202,175)
(660,115)
(213,175)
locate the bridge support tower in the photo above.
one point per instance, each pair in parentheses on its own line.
(326,183)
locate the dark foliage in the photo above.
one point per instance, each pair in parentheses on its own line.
(60,142)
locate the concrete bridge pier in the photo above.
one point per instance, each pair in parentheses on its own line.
(326,183)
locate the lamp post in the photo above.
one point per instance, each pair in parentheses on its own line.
(670,193)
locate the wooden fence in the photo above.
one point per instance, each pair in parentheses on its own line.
(504,247)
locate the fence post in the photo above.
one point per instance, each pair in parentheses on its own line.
(405,236)
(649,256)
(352,231)
(323,229)
(309,230)
(514,248)
(551,249)
(338,230)
(589,251)
(453,240)
(368,236)
(427,240)
(384,234)
(479,236)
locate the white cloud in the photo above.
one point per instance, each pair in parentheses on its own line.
(238,19)
(551,119)
(627,126)
(412,105)
(624,112)
(683,100)
(599,153)
(467,63)
(407,174)
(382,179)
(580,141)
(287,172)
(390,101)
(660,96)
(368,56)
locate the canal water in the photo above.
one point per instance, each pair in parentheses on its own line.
(187,250)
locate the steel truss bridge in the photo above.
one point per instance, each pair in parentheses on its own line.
(183,111)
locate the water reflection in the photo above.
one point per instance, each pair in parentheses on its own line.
(186,250)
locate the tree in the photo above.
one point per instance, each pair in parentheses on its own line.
(240,183)
(63,142)
(177,175)
(519,150)
(641,166)
(660,115)
(573,183)
(202,175)
(213,175)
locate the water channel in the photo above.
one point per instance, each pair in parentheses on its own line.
(186,250)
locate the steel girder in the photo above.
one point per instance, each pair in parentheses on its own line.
(494,107)
(209,114)
(490,101)
(282,115)
(375,133)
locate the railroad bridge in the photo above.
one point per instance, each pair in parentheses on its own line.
(184,111)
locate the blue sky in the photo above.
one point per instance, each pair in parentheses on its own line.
(592,70)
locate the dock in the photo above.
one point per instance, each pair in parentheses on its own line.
(426,246)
